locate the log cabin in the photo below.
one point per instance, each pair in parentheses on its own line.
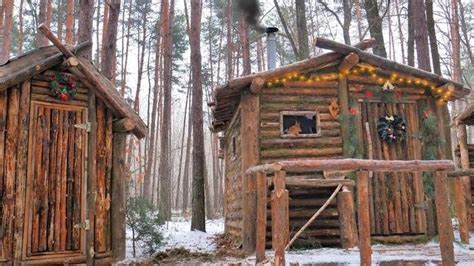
(347,103)
(465,153)
(63,129)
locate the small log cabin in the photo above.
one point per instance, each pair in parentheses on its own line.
(344,104)
(466,162)
(63,129)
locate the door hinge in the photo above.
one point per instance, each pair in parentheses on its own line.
(85,126)
(85,225)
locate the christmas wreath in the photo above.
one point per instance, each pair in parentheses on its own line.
(391,128)
(63,87)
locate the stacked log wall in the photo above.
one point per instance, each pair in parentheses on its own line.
(233,180)
(470,148)
(304,201)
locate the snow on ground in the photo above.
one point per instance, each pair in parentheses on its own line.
(177,234)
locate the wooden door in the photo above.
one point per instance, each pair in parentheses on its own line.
(396,199)
(55,199)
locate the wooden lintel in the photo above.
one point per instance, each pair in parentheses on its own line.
(123,125)
(291,181)
(256,85)
(348,62)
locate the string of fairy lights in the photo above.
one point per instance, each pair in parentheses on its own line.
(368,71)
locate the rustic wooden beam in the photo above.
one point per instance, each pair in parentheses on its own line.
(348,63)
(445,227)
(462,193)
(250,107)
(91,179)
(266,168)
(117,212)
(261,221)
(123,125)
(280,218)
(46,32)
(364,218)
(347,220)
(257,85)
(387,64)
(70,62)
(343,94)
(292,181)
(22,167)
(465,114)
(461,172)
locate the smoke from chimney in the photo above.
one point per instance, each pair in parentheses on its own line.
(250,9)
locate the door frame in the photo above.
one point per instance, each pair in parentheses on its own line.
(28,207)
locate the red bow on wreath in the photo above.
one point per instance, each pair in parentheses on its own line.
(63,87)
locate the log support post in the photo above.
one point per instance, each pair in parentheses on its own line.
(119,170)
(445,227)
(250,109)
(462,197)
(280,217)
(345,209)
(91,179)
(364,218)
(261,216)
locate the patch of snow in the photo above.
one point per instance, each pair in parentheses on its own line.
(177,233)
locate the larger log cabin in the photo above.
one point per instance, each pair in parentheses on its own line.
(63,128)
(335,105)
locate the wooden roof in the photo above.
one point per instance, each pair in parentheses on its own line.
(466,117)
(24,67)
(226,98)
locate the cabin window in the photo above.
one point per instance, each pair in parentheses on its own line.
(299,124)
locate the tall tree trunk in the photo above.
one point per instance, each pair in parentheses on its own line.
(432,36)
(97,34)
(229,39)
(302,29)
(244,39)
(187,160)
(358,18)
(70,22)
(40,39)
(411,35)
(123,84)
(154,108)
(181,153)
(421,35)
(86,17)
(286,29)
(167,13)
(105,25)
(109,61)
(20,28)
(465,33)
(8,9)
(375,27)
(400,31)
(60,19)
(198,198)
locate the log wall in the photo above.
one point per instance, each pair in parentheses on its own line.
(304,201)
(233,180)
(15,138)
(471,165)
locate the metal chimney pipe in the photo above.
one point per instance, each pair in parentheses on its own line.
(271,47)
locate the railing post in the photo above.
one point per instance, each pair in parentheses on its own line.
(280,217)
(345,209)
(364,218)
(462,188)
(445,227)
(261,216)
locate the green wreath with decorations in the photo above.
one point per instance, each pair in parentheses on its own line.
(63,87)
(391,128)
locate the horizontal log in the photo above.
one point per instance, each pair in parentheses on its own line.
(309,202)
(365,165)
(293,143)
(461,172)
(289,181)
(301,152)
(123,125)
(300,91)
(266,98)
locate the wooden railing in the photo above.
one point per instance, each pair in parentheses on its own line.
(280,207)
